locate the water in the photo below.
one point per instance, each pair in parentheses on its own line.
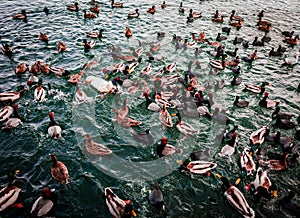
(28,147)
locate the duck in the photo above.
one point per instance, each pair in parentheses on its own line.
(229,148)
(54,130)
(151,10)
(238,24)
(234,17)
(240,103)
(7,50)
(44,203)
(262,179)
(274,53)
(170,67)
(123,111)
(284,123)
(266,28)
(117,207)
(156,198)
(95,34)
(276,164)
(203,110)
(35,67)
(59,171)
(258,136)
(21,68)
(218,64)
(161,35)
(134,14)
(281,49)
(220,38)
(32,80)
(289,205)
(230,134)
(146,70)
(218,19)
(39,92)
(260,14)
(116,4)
(195,14)
(44,68)
(125,121)
(95,148)
(184,127)
(291,60)
(151,105)
(13,120)
(200,167)
(46,10)
(163,5)
(155,47)
(236,70)
(245,44)
(236,198)
(134,87)
(165,117)
(288,34)
(76,77)
(266,38)
(73,7)
(292,41)
(247,163)
(59,71)
(95,8)
(256,42)
(165,149)
(255,89)
(88,15)
(10,193)
(234,62)
(128,32)
(43,37)
(232,53)
(267,103)
(200,154)
(80,96)
(181,8)
(226,30)
(21,16)
(61,47)
(88,45)
(284,116)
(143,137)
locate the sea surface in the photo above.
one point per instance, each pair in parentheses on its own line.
(134,167)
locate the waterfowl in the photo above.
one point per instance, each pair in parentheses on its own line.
(170,67)
(219,117)
(54,130)
(292,41)
(59,71)
(44,203)
(134,14)
(165,149)
(218,64)
(10,193)
(123,111)
(218,19)
(43,37)
(151,10)
(88,45)
(203,110)
(245,44)
(35,67)
(155,47)
(240,103)
(128,32)
(95,34)
(22,15)
(73,7)
(288,34)
(256,42)
(281,49)
(258,136)
(266,28)
(285,116)
(116,4)
(88,15)
(14,120)
(274,53)
(165,117)
(195,14)
(76,77)
(267,103)
(230,134)
(125,121)
(276,164)
(150,105)
(94,147)
(261,22)
(236,198)
(291,60)
(284,123)
(226,30)
(32,80)
(247,162)
(262,179)
(184,127)
(58,170)
(181,8)
(236,70)
(161,35)
(220,38)
(95,8)
(289,205)
(21,68)
(232,53)
(156,198)
(39,92)
(6,49)
(146,70)
(117,207)
(163,5)
(46,10)
(238,24)
(61,47)
(234,17)
(44,68)
(255,89)
(80,96)
(229,148)
(260,14)
(143,137)
(200,166)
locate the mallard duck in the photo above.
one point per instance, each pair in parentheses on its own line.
(256,42)
(258,136)
(14,120)
(218,19)
(183,127)
(255,89)
(195,14)
(10,193)
(163,5)
(238,24)
(44,203)
(73,7)
(165,149)
(116,4)
(247,162)
(6,49)
(80,96)
(218,64)
(151,105)
(276,164)
(165,117)
(59,71)
(291,41)
(234,17)
(54,130)
(44,68)
(143,137)
(262,179)
(58,170)
(128,32)
(95,8)
(35,67)
(76,77)
(32,80)
(267,103)
(200,166)
(95,148)
(289,205)
(236,198)
(146,70)
(61,47)
(220,117)
(151,10)
(170,67)
(181,8)
(117,207)
(203,110)
(88,15)
(43,37)
(88,45)
(39,92)
(95,34)
(125,121)
(21,68)
(22,15)
(123,111)
(229,148)
(284,123)
(240,103)
(134,87)
(285,116)
(156,198)
(134,14)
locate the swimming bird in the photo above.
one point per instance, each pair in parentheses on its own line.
(117,207)
(229,148)
(274,53)
(39,92)
(289,205)
(10,193)
(94,147)
(123,111)
(276,164)
(146,70)
(88,45)
(165,149)
(184,127)
(151,10)
(61,47)
(258,136)
(247,163)
(281,49)
(161,35)
(95,34)
(226,30)
(234,17)
(288,34)
(43,37)
(21,68)
(88,15)
(284,123)
(73,7)
(256,42)
(292,41)
(232,53)
(238,24)
(143,137)
(22,15)
(267,103)
(220,117)
(220,38)
(218,19)
(200,166)
(44,203)
(236,198)
(291,60)
(14,120)
(80,96)
(128,32)
(156,198)
(255,89)
(46,10)
(163,5)
(54,130)
(7,49)
(151,105)
(165,117)
(58,170)
(245,44)
(240,103)
(194,14)
(266,38)
(116,4)
(181,8)
(266,28)
(95,8)
(134,14)
(281,115)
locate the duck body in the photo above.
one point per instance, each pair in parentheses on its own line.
(165,117)
(21,16)
(289,205)
(6,112)
(116,4)
(88,15)
(54,130)
(21,68)
(95,148)
(276,164)
(151,105)
(73,7)
(247,162)
(44,203)
(156,198)
(134,14)
(39,94)
(14,120)
(95,34)
(61,47)
(58,170)
(258,136)
(5,96)
(240,103)
(151,10)
(255,89)
(200,167)
(128,32)
(43,37)
(262,179)
(164,149)
(291,60)
(229,148)
(80,96)
(267,103)
(143,137)
(184,127)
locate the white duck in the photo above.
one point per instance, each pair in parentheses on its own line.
(14,120)
(5,96)
(258,136)
(54,130)
(6,112)
(200,166)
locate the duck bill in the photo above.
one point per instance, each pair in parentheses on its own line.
(173,115)
(17,171)
(218,176)
(133,213)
